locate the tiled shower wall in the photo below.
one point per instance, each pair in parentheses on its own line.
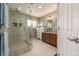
(20,33)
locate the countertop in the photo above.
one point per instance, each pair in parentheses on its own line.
(50,32)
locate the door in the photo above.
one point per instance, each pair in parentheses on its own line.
(3,29)
(68,29)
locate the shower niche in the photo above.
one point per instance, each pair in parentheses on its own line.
(17,24)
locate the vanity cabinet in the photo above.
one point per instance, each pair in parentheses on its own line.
(50,38)
(45,37)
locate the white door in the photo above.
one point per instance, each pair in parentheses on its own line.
(68,29)
(6,48)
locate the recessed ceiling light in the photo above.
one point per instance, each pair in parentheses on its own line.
(40,7)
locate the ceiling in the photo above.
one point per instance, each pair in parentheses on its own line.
(34,9)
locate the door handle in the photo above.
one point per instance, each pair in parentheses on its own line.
(71,39)
(75,39)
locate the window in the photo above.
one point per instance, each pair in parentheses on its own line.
(34,23)
(31,23)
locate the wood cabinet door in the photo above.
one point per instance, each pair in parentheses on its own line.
(45,37)
(53,39)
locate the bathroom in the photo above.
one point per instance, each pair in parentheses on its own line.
(32,29)
(39,29)
(25,28)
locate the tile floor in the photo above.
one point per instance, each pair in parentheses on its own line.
(40,49)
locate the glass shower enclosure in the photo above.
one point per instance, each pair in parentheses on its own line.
(19,34)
